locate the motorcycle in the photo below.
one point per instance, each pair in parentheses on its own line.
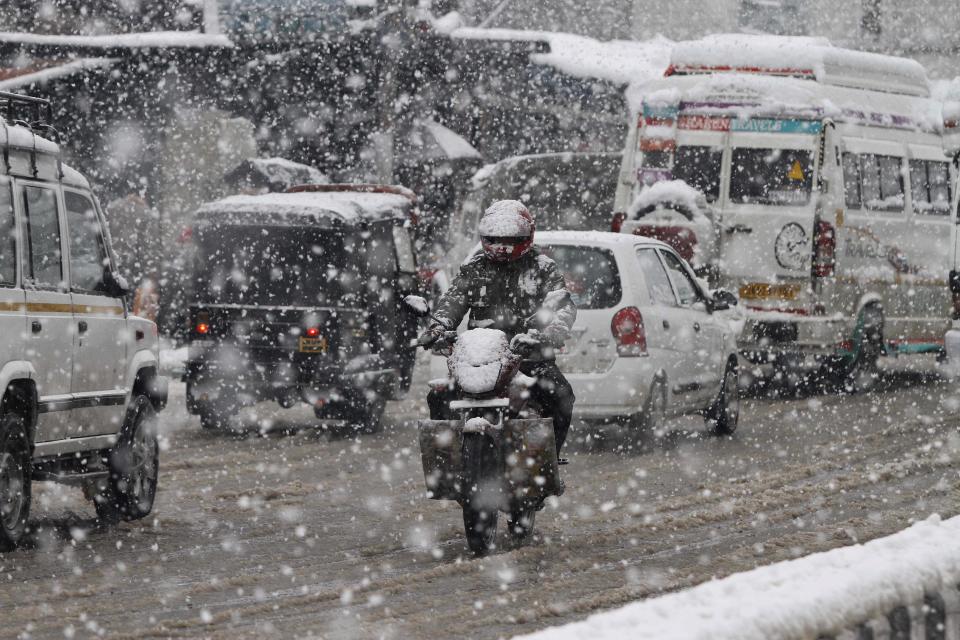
(491,451)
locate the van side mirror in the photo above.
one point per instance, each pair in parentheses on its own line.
(115,285)
(416,305)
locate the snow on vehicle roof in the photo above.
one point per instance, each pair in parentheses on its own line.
(151,39)
(14,135)
(485,172)
(53,72)
(592,238)
(799,57)
(337,207)
(619,61)
(750,95)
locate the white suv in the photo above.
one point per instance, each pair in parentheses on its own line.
(78,374)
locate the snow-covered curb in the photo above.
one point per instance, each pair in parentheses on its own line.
(818,595)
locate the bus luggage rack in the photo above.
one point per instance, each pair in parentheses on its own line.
(27,111)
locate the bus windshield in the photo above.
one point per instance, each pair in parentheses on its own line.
(770,176)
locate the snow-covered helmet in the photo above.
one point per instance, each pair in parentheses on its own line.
(506,231)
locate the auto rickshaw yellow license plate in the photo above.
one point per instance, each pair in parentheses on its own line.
(313,345)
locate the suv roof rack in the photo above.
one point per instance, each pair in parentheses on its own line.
(31,112)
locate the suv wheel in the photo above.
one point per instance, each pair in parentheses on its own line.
(134,467)
(15,487)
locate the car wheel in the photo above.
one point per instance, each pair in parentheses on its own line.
(15,481)
(643,429)
(722,417)
(134,465)
(370,417)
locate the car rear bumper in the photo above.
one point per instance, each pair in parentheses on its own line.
(621,390)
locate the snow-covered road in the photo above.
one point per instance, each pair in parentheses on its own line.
(310,534)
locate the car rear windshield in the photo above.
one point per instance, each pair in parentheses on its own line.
(699,167)
(771,176)
(591,274)
(272,266)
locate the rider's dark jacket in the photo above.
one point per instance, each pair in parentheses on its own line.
(502,295)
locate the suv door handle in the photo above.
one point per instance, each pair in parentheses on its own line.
(666,324)
(696,326)
(82,326)
(36,327)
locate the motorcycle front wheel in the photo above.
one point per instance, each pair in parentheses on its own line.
(480,513)
(520,524)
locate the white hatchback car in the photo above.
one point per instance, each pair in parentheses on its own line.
(649,341)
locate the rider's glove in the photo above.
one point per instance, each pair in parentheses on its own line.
(430,336)
(525,343)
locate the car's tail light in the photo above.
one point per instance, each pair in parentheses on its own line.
(824,249)
(312,332)
(201,323)
(616,224)
(628,330)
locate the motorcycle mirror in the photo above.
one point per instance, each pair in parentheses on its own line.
(417,305)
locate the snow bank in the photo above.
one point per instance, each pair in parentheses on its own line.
(820,594)
(619,61)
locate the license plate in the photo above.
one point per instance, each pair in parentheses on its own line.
(768,291)
(313,345)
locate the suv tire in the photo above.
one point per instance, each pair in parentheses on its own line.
(134,466)
(15,481)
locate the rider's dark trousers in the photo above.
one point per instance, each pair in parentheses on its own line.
(551,392)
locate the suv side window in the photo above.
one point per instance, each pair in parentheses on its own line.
(88,255)
(43,262)
(658,284)
(8,237)
(682,283)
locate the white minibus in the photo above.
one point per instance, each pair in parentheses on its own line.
(829,189)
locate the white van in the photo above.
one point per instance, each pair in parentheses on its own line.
(830,191)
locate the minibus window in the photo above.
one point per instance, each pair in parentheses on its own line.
(930,187)
(891,183)
(771,176)
(881,182)
(851,180)
(699,167)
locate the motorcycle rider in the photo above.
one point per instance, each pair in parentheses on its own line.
(501,287)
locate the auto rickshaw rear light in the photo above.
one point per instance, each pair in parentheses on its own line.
(312,332)
(203,328)
(628,330)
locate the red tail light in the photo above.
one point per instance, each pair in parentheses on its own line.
(824,249)
(617,222)
(201,325)
(312,332)
(628,331)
